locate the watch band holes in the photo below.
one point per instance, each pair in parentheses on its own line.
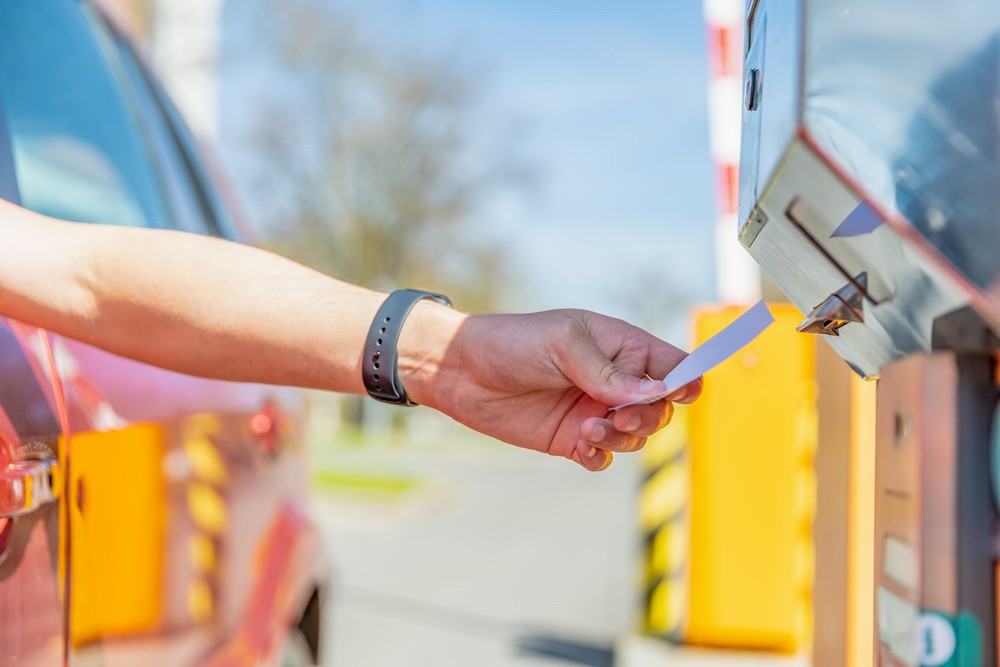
(381,344)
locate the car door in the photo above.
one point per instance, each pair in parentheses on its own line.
(176,485)
(32,565)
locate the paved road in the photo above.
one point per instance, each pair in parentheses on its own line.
(498,551)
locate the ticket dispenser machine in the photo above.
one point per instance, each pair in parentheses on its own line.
(870,194)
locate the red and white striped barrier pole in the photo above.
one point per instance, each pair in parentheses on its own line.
(737,276)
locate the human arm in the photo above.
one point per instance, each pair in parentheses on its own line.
(217,309)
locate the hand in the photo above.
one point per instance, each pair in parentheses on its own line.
(545,381)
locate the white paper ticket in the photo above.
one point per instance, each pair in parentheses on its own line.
(713,351)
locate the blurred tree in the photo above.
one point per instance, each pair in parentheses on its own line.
(376,166)
(656,301)
(365,159)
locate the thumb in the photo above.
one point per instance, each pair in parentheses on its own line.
(602,379)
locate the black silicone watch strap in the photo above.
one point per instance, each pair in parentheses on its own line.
(380,364)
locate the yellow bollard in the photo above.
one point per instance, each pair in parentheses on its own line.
(752,437)
(728,505)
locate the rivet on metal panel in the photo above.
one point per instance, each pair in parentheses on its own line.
(752,89)
(751,228)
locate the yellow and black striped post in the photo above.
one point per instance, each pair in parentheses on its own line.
(663,500)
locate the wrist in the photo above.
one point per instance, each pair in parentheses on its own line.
(426,350)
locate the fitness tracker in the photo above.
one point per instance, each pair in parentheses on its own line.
(380,363)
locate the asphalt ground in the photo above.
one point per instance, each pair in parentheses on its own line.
(460,551)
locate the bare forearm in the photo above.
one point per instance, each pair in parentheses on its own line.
(198,305)
(208,307)
(217,309)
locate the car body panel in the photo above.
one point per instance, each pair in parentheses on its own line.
(30,558)
(181,536)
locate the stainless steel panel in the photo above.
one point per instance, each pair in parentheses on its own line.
(906,292)
(896,104)
(905,96)
(773,45)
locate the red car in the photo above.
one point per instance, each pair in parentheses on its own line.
(146,517)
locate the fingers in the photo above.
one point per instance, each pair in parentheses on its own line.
(616,377)
(590,457)
(662,357)
(625,431)
(601,433)
(689,393)
(583,361)
(643,420)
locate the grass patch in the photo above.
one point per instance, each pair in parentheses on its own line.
(363,484)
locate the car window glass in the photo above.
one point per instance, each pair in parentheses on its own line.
(8,182)
(216,212)
(189,210)
(77,150)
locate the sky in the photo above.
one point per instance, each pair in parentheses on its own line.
(609,101)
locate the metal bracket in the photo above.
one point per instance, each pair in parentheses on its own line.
(840,308)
